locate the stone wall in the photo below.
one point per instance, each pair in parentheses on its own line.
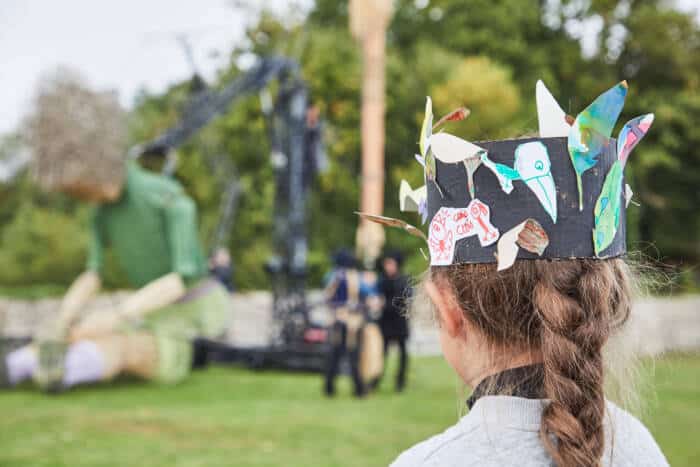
(657,324)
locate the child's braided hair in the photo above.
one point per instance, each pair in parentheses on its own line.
(566,310)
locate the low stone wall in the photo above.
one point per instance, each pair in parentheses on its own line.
(657,324)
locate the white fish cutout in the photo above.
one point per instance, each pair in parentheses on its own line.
(551,117)
(451,149)
(528,235)
(532,166)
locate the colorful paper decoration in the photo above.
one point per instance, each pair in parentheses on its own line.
(592,129)
(631,134)
(452,224)
(607,207)
(551,117)
(528,235)
(411,200)
(532,166)
(426,157)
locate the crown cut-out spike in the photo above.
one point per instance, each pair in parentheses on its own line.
(591,131)
(631,134)
(451,149)
(552,119)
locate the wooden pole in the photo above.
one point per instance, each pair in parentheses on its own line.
(369,20)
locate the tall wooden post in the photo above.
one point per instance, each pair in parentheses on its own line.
(369,20)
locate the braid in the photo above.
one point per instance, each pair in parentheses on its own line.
(575,309)
(567,310)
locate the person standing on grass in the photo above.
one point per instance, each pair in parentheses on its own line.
(342,292)
(394,322)
(528,284)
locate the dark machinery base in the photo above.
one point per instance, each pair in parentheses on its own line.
(303,357)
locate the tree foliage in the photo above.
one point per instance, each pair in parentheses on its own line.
(479,53)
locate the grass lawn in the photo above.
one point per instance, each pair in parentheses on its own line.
(235,417)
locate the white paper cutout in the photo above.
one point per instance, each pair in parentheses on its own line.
(507,249)
(628,195)
(452,224)
(450,149)
(410,199)
(528,235)
(441,241)
(551,117)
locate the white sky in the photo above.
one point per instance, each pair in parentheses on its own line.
(122,45)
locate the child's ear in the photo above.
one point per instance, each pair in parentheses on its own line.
(449,312)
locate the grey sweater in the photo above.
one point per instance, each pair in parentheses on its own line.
(503,431)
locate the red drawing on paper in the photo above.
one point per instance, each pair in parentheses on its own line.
(482,215)
(441,241)
(452,224)
(464,226)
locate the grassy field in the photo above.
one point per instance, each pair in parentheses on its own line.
(235,417)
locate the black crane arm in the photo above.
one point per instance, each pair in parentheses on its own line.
(207,104)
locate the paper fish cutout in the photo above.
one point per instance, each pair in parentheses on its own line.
(592,129)
(532,166)
(450,149)
(411,200)
(456,115)
(452,224)
(551,117)
(392,222)
(607,207)
(528,235)
(426,157)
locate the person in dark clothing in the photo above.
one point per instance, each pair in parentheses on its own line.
(393,321)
